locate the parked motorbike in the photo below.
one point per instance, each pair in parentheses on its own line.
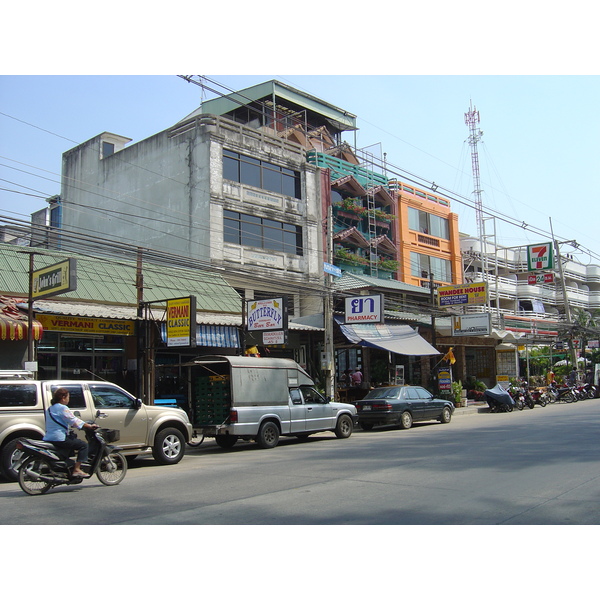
(42,466)
(521,396)
(539,396)
(561,394)
(587,391)
(498,399)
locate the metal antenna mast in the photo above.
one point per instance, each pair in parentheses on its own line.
(472,121)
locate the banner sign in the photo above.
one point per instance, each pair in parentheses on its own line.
(473,293)
(55,279)
(471,324)
(332,269)
(268,314)
(540,257)
(536,278)
(181,322)
(364,309)
(75,324)
(444,378)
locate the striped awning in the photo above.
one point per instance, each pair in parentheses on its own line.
(16,329)
(215,336)
(14,321)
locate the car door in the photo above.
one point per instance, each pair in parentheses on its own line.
(297,411)
(319,413)
(417,403)
(431,408)
(121,413)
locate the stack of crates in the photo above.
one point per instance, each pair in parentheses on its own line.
(211,400)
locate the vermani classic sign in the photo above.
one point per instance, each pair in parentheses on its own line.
(55,279)
(364,309)
(181,321)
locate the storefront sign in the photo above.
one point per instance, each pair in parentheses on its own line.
(471,324)
(55,279)
(274,338)
(364,309)
(74,324)
(540,256)
(445,378)
(452,295)
(268,314)
(536,278)
(181,322)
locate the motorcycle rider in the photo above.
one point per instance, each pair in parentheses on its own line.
(59,421)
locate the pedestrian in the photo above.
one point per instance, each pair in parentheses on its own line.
(572,377)
(550,377)
(357,377)
(59,421)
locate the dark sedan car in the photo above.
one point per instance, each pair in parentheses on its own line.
(401,405)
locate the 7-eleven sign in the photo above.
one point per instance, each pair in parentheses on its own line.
(540,256)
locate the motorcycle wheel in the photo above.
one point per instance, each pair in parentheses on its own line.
(112,469)
(542,402)
(520,404)
(29,477)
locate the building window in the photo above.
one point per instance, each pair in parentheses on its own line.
(261,174)
(423,264)
(259,232)
(108,149)
(424,222)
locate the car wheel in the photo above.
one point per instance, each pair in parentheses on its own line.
(169,446)
(446,415)
(406,420)
(226,441)
(268,435)
(344,427)
(10,455)
(366,426)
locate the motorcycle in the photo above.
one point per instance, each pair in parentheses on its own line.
(538,396)
(562,394)
(42,466)
(498,399)
(522,397)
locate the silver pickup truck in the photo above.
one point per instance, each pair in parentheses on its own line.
(162,431)
(261,399)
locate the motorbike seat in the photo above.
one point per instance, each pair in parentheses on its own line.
(42,444)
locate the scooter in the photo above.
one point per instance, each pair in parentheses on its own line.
(42,466)
(539,396)
(563,394)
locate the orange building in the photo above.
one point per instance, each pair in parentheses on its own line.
(427,238)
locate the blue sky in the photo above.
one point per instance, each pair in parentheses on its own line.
(538,154)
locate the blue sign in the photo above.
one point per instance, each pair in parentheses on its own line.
(332,269)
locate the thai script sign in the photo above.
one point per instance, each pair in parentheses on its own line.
(55,279)
(540,256)
(364,309)
(181,321)
(471,324)
(268,314)
(451,295)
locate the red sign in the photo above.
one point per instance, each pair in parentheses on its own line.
(540,278)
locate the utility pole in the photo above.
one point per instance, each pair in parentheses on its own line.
(564,291)
(328,313)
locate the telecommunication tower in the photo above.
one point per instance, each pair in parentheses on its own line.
(472,121)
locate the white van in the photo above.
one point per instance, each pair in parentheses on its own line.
(233,397)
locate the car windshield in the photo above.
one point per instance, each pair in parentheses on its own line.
(388,392)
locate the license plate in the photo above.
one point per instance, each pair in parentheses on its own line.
(367,407)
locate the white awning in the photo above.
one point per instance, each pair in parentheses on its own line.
(400,339)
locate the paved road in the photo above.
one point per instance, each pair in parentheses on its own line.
(529,467)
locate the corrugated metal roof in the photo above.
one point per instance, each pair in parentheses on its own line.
(105,311)
(350,281)
(112,281)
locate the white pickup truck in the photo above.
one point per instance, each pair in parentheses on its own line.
(240,397)
(163,431)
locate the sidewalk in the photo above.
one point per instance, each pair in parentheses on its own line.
(472,408)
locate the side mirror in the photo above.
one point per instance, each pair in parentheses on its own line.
(77,413)
(327,399)
(137,404)
(101,415)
